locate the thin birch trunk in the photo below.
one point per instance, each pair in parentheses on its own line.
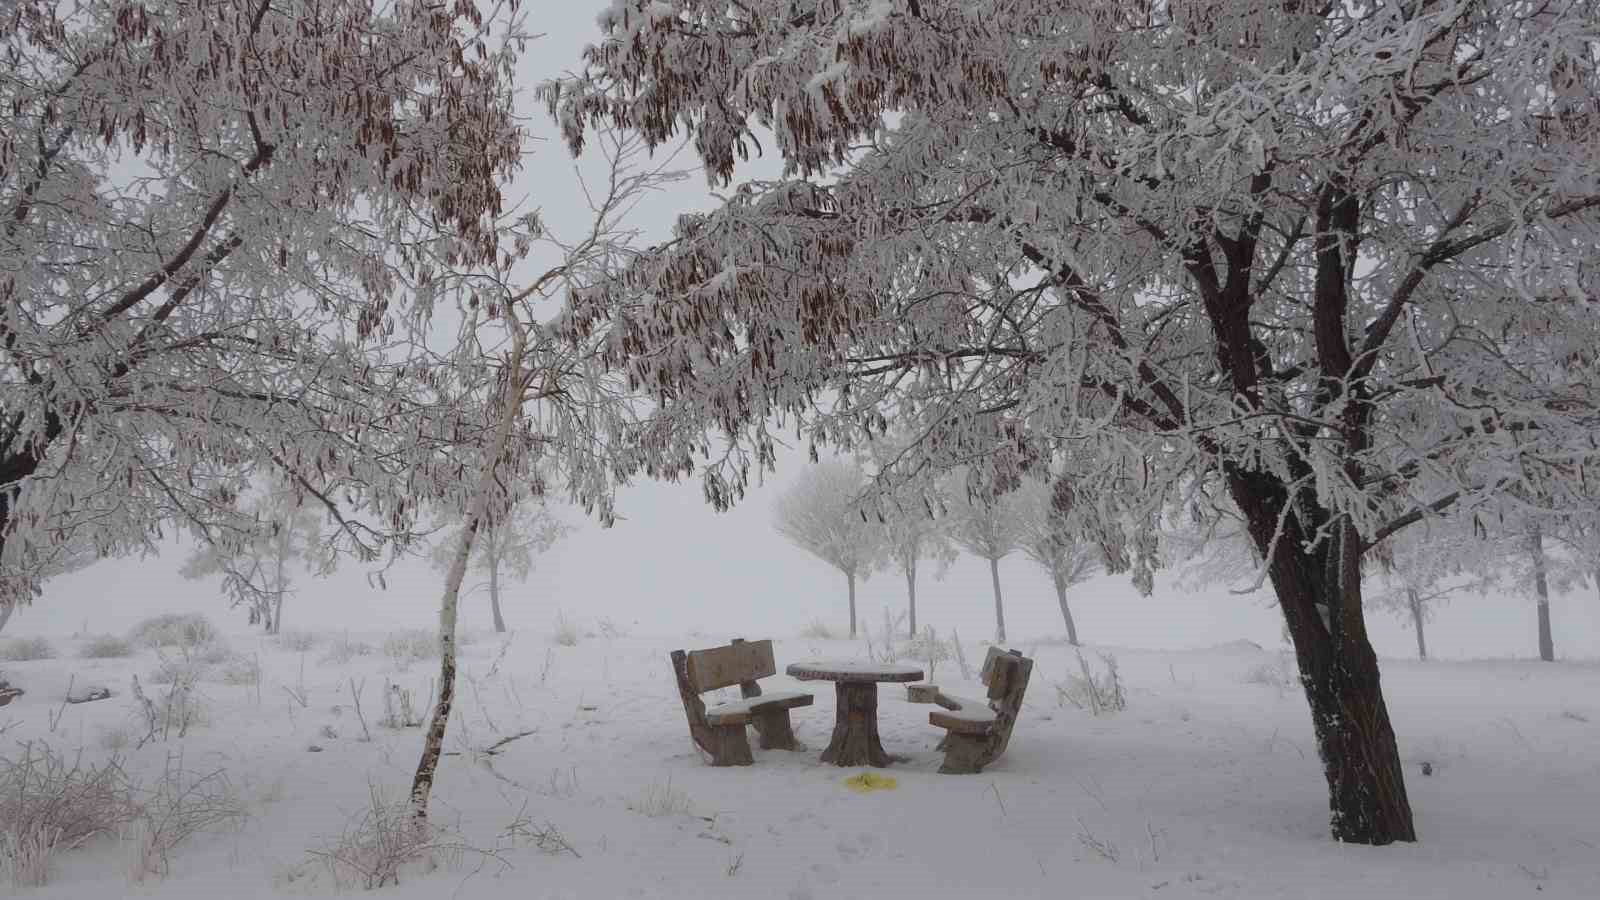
(850,577)
(1415,603)
(276,626)
(433,743)
(911,595)
(999,608)
(494,584)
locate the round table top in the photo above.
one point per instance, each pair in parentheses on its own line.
(853,670)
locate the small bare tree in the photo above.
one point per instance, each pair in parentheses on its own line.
(545,400)
(1049,538)
(916,528)
(506,548)
(988,526)
(821,513)
(1422,568)
(255,572)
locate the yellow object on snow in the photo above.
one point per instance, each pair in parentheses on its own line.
(868,782)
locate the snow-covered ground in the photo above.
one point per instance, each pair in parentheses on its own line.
(1206,786)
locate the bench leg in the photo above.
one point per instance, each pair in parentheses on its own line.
(965,754)
(729,746)
(775,730)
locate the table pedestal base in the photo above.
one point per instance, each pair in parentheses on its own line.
(855,727)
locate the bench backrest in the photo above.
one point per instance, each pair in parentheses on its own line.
(740,662)
(1006,673)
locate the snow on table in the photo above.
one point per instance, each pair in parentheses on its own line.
(853,670)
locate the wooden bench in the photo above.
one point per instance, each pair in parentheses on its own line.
(977,731)
(719,730)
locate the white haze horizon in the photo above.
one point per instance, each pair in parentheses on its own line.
(674,566)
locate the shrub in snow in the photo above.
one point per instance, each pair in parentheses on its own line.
(661,799)
(384,840)
(115,738)
(929,649)
(174,630)
(343,650)
(180,805)
(106,646)
(298,640)
(1099,694)
(817,630)
(398,710)
(26,649)
(566,633)
(241,670)
(174,671)
(48,804)
(406,647)
(175,710)
(1277,675)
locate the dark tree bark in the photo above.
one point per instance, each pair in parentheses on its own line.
(1066,612)
(1319,592)
(1415,602)
(1541,589)
(999,607)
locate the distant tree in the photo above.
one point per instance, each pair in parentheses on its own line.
(916,528)
(990,527)
(505,548)
(1050,538)
(821,513)
(1421,568)
(255,571)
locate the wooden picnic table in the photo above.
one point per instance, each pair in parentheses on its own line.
(855,724)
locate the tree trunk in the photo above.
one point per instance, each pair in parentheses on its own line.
(1066,611)
(911,595)
(850,578)
(494,587)
(433,742)
(999,608)
(1541,589)
(278,584)
(855,739)
(1415,602)
(1319,593)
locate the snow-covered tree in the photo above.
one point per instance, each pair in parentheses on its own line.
(916,528)
(1280,248)
(505,549)
(1421,568)
(544,405)
(1050,538)
(256,575)
(823,513)
(991,527)
(225,227)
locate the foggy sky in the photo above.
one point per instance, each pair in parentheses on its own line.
(673,566)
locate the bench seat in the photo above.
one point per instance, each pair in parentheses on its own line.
(963,715)
(739,712)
